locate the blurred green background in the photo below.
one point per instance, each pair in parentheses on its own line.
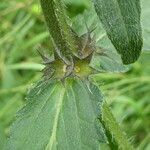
(22,30)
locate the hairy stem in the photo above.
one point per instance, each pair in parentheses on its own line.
(115,136)
(55,18)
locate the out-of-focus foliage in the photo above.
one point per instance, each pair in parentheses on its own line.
(22,31)
(129,96)
(2,138)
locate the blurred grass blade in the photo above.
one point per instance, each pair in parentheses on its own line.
(15,29)
(58,116)
(114,134)
(121,20)
(145,143)
(37,39)
(26,66)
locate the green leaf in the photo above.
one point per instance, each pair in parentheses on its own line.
(115,135)
(2,137)
(110,63)
(54,14)
(121,20)
(58,115)
(75,7)
(145,24)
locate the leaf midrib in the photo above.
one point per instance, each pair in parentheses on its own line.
(52,139)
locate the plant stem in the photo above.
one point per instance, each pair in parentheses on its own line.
(116,137)
(55,18)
